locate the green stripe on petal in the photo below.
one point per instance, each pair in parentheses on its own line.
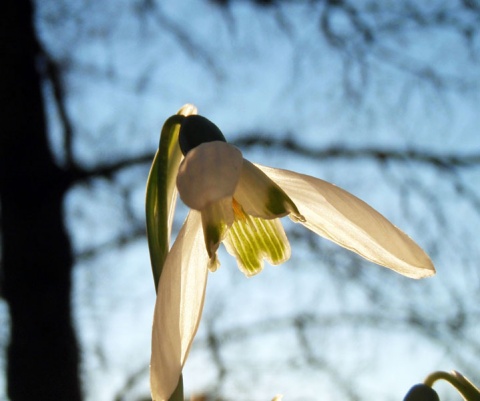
(253,239)
(217,217)
(262,197)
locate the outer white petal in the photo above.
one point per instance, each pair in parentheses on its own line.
(348,221)
(209,173)
(178,308)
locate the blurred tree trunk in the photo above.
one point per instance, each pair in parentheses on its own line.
(37,256)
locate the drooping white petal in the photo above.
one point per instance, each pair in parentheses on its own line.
(178,307)
(260,196)
(208,173)
(348,221)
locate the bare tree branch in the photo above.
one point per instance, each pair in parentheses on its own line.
(441,161)
(55,77)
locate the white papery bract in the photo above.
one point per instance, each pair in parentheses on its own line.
(240,203)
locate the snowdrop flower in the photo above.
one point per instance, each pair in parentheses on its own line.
(239,204)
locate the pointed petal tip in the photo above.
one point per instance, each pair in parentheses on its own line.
(420,270)
(425,272)
(297,218)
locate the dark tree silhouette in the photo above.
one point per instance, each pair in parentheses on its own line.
(37,256)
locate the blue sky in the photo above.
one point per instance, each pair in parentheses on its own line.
(267,70)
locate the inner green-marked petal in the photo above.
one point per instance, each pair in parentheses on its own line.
(253,239)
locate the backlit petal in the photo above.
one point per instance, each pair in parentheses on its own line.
(348,221)
(209,173)
(262,197)
(252,239)
(178,307)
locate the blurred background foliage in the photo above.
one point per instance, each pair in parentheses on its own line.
(379,97)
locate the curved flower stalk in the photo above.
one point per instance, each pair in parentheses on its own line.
(239,204)
(425,391)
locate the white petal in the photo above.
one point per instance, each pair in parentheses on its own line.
(178,308)
(348,221)
(208,173)
(259,196)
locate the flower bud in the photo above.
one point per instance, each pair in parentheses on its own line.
(421,392)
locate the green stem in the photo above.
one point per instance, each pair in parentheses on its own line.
(178,393)
(468,391)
